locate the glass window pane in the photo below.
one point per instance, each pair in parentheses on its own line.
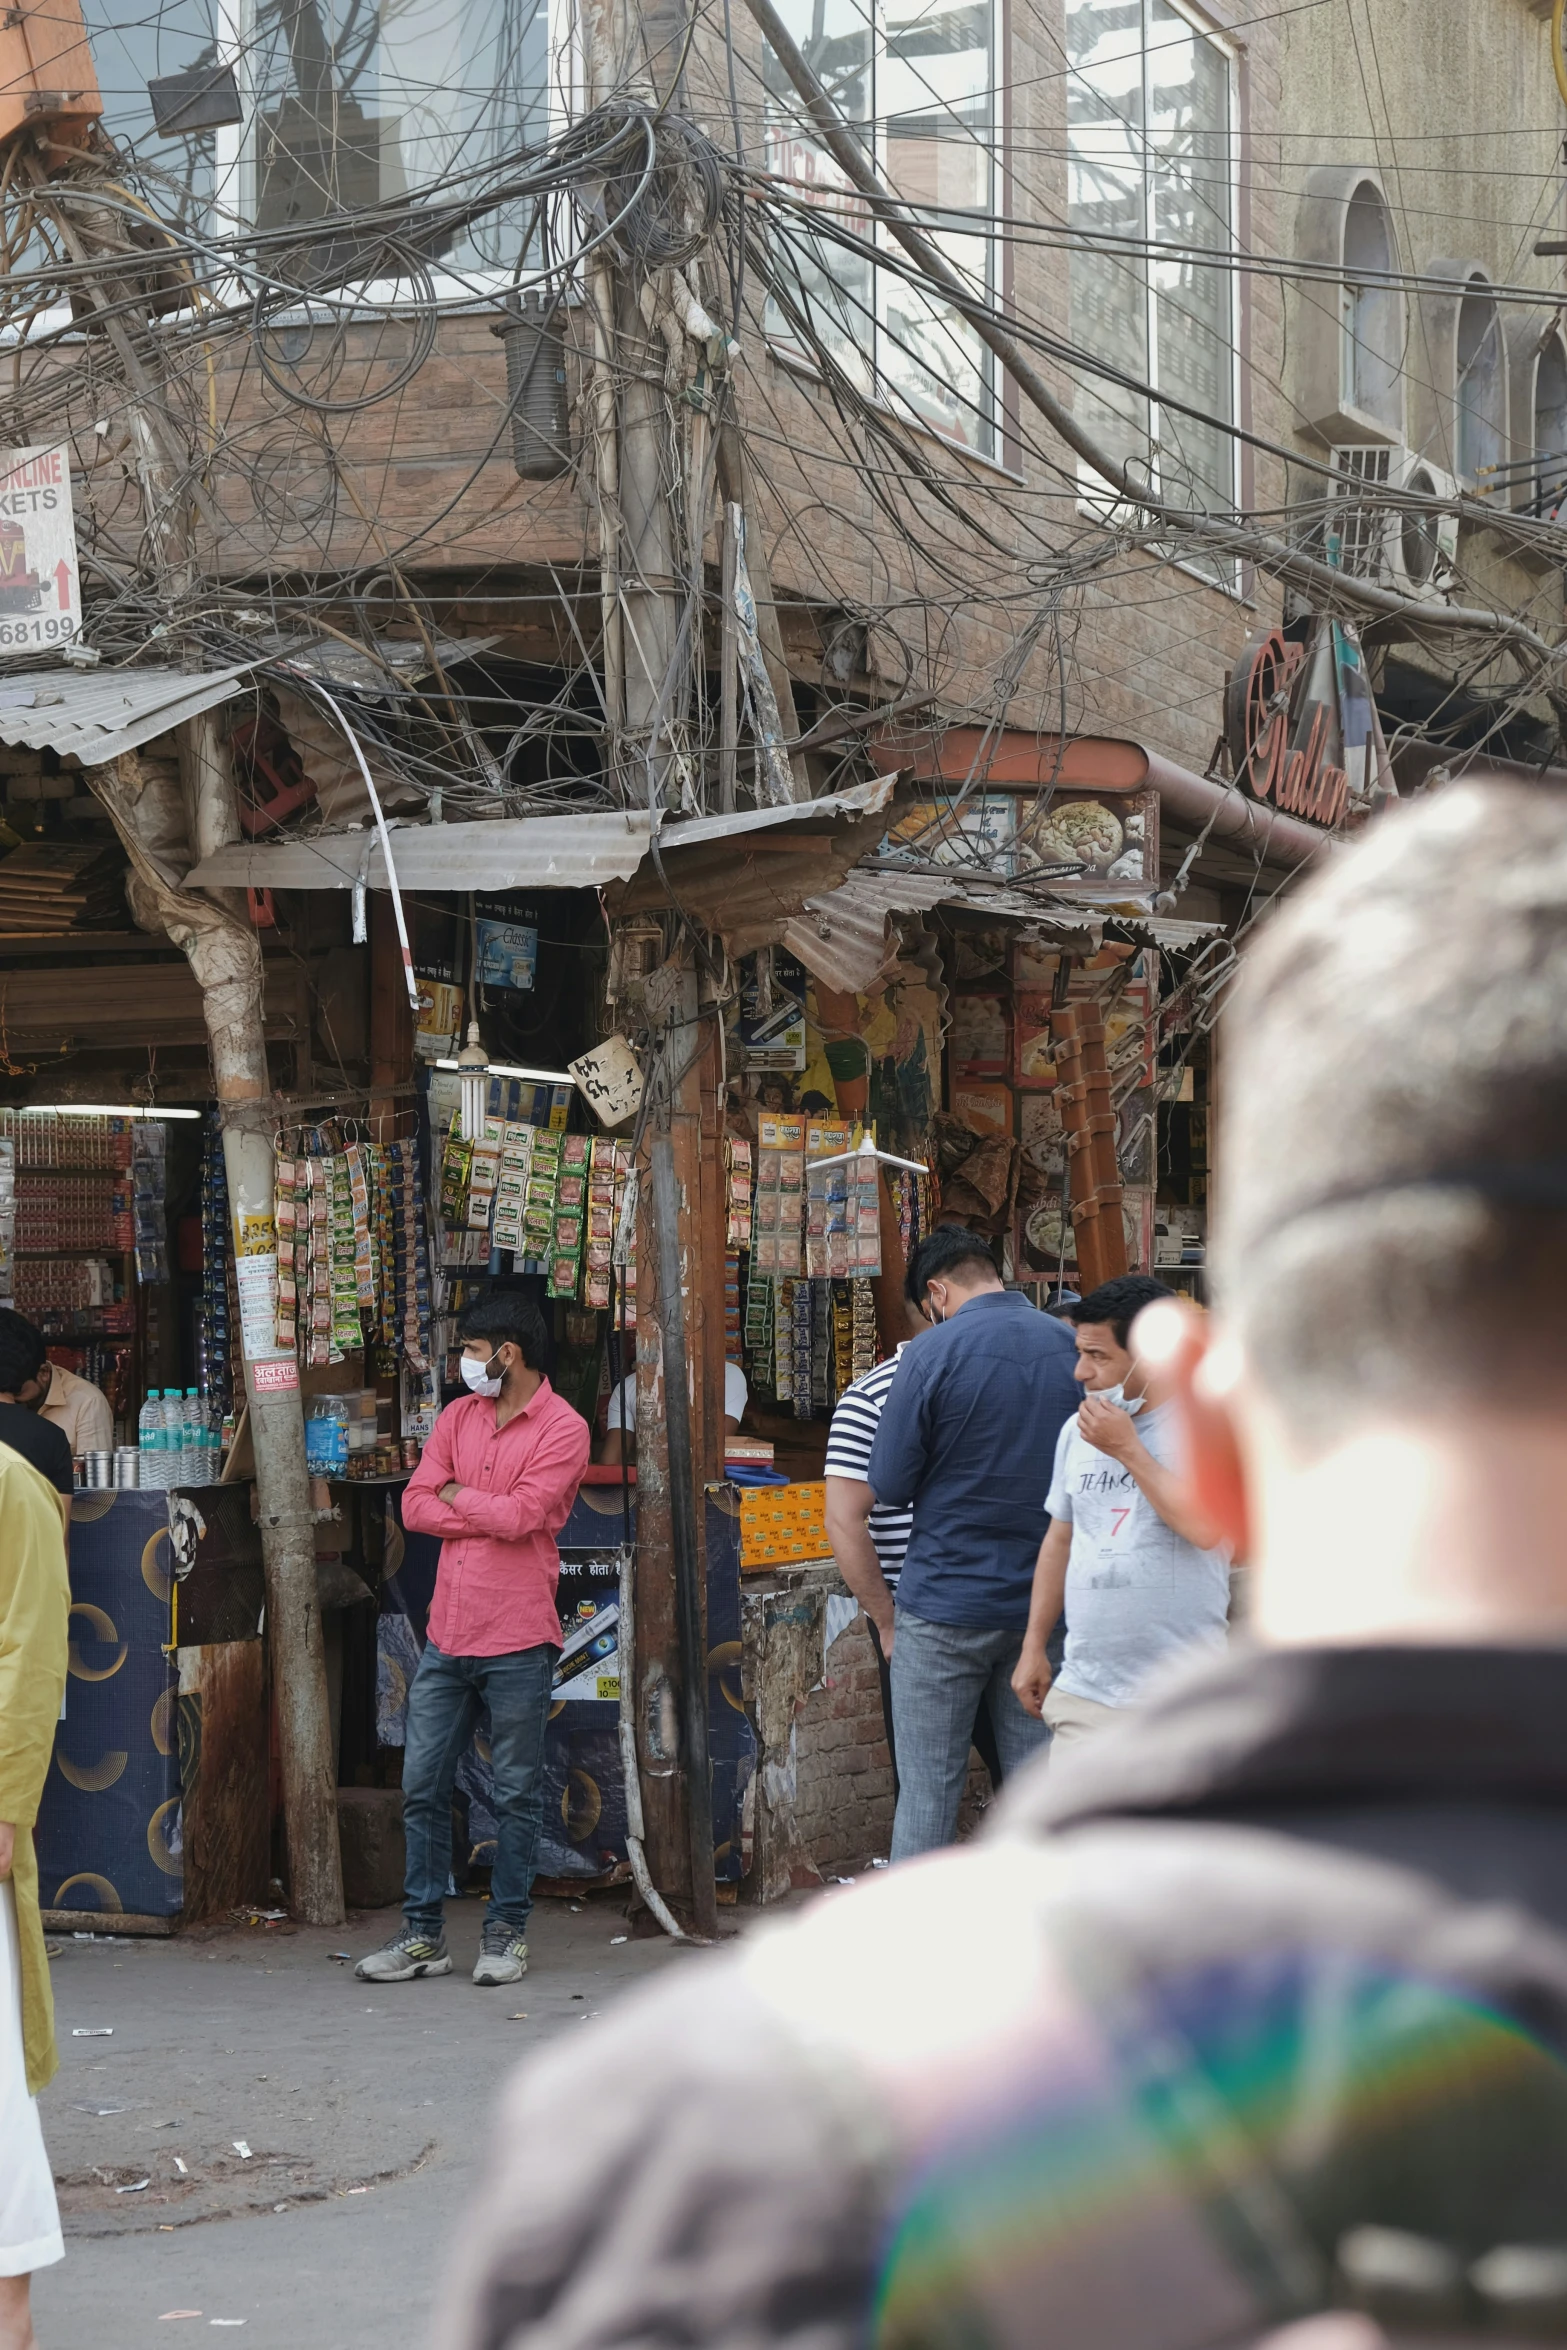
(936,94)
(932,362)
(129,51)
(363,102)
(1189,157)
(832,287)
(1106,196)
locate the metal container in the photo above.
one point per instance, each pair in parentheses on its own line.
(127,1467)
(536,395)
(100,1471)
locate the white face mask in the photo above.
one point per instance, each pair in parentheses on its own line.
(476,1376)
(1130,1404)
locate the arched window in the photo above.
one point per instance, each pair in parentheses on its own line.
(1549,486)
(1372,312)
(1481,387)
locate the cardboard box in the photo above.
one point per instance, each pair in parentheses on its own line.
(782,1525)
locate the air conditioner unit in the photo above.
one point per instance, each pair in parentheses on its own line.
(1407,548)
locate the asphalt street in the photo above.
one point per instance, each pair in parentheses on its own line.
(308,2143)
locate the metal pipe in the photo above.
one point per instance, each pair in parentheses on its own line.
(386,845)
(682,1511)
(641,1875)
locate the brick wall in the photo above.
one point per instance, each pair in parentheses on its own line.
(844,1801)
(843,1806)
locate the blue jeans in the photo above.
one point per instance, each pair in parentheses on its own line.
(446,1699)
(941,1673)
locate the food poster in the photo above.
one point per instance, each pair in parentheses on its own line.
(1042,1135)
(1033,1046)
(1080,835)
(1044,1230)
(977,957)
(978,1040)
(889,1048)
(981,831)
(985,1109)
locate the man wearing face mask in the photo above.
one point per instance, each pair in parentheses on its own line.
(966,1436)
(1136,1566)
(496,1482)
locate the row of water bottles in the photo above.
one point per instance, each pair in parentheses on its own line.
(179,1438)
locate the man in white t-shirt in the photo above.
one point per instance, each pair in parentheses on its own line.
(1141,1576)
(620,1417)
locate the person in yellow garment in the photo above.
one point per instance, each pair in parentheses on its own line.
(34,1611)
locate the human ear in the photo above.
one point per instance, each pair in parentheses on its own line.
(1203,1370)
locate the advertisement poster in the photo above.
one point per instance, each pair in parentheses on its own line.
(978,1044)
(40,586)
(508,954)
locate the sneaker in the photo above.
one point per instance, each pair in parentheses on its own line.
(503,1956)
(408,1955)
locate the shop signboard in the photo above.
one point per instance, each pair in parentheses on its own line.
(1301,722)
(40,584)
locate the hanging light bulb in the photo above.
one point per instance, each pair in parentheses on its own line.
(473,1064)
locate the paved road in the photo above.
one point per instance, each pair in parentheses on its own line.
(364,2112)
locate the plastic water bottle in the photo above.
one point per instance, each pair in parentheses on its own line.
(150,1441)
(173,1436)
(195,1450)
(207,1433)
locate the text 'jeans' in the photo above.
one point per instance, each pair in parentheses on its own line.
(446,1701)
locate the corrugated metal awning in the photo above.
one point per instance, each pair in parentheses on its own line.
(841,936)
(581,851)
(95,714)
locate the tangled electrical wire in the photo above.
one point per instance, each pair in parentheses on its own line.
(244,404)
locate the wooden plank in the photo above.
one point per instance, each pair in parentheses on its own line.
(224,1727)
(105,1921)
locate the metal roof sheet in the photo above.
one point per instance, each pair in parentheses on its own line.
(581,851)
(95,714)
(841,935)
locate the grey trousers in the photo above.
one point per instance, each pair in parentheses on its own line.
(940,1674)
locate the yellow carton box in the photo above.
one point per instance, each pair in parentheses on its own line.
(781,1524)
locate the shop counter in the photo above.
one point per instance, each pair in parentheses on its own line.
(110,1836)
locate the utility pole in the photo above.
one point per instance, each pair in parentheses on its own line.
(225,955)
(653,498)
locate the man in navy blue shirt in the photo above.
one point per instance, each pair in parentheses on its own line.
(967,1436)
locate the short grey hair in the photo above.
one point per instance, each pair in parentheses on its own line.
(1391,1212)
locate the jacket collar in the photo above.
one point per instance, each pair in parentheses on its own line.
(1274,1730)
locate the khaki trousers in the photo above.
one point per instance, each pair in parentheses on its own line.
(1076,1717)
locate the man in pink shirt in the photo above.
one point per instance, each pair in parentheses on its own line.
(496,1483)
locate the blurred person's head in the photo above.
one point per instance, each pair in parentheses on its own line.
(1380,1420)
(1103,1320)
(948,1268)
(25,1368)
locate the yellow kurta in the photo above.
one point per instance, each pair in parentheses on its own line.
(35,1600)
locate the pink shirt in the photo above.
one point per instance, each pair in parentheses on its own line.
(495,1585)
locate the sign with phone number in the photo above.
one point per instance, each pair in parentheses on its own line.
(40,583)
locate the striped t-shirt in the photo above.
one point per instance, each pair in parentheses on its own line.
(849,1442)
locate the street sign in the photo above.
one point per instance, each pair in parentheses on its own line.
(40,585)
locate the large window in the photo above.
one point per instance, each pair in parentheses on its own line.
(343,103)
(1150,165)
(918,81)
